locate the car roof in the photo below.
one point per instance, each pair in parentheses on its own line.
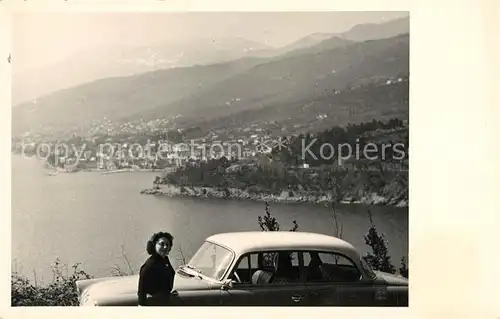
(243,242)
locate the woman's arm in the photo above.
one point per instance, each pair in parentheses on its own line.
(144,275)
(171,276)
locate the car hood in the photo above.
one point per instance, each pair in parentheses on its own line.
(128,285)
(391,279)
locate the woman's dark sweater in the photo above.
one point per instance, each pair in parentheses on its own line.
(156,277)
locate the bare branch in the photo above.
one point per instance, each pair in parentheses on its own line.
(34,275)
(182,257)
(117,270)
(126,260)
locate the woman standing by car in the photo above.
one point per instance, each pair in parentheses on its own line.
(156,276)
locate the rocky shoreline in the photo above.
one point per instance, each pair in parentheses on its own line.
(284,197)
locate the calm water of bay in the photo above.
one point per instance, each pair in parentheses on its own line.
(87,217)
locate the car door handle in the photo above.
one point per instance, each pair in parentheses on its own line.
(296,298)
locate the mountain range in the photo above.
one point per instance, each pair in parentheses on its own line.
(115,61)
(295,78)
(236,77)
(118,61)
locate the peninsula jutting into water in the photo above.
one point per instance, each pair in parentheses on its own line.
(285,173)
(278,175)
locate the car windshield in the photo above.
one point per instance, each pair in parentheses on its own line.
(211,260)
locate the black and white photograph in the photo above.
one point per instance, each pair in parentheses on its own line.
(210,158)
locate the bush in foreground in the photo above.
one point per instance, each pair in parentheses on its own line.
(60,292)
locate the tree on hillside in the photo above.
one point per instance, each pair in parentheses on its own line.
(157,182)
(334,185)
(403,271)
(378,258)
(269,223)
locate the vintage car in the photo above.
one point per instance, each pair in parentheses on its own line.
(264,269)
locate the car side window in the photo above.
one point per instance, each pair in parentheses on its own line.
(295,259)
(243,263)
(268,267)
(287,268)
(268,259)
(330,267)
(335,259)
(245,268)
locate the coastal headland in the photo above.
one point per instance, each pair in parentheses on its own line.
(284,197)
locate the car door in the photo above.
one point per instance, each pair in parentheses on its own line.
(264,295)
(188,298)
(336,281)
(270,291)
(341,294)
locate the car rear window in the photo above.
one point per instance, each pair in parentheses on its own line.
(368,269)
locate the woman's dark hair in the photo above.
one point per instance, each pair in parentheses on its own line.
(150,246)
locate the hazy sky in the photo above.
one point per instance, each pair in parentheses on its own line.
(43,38)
